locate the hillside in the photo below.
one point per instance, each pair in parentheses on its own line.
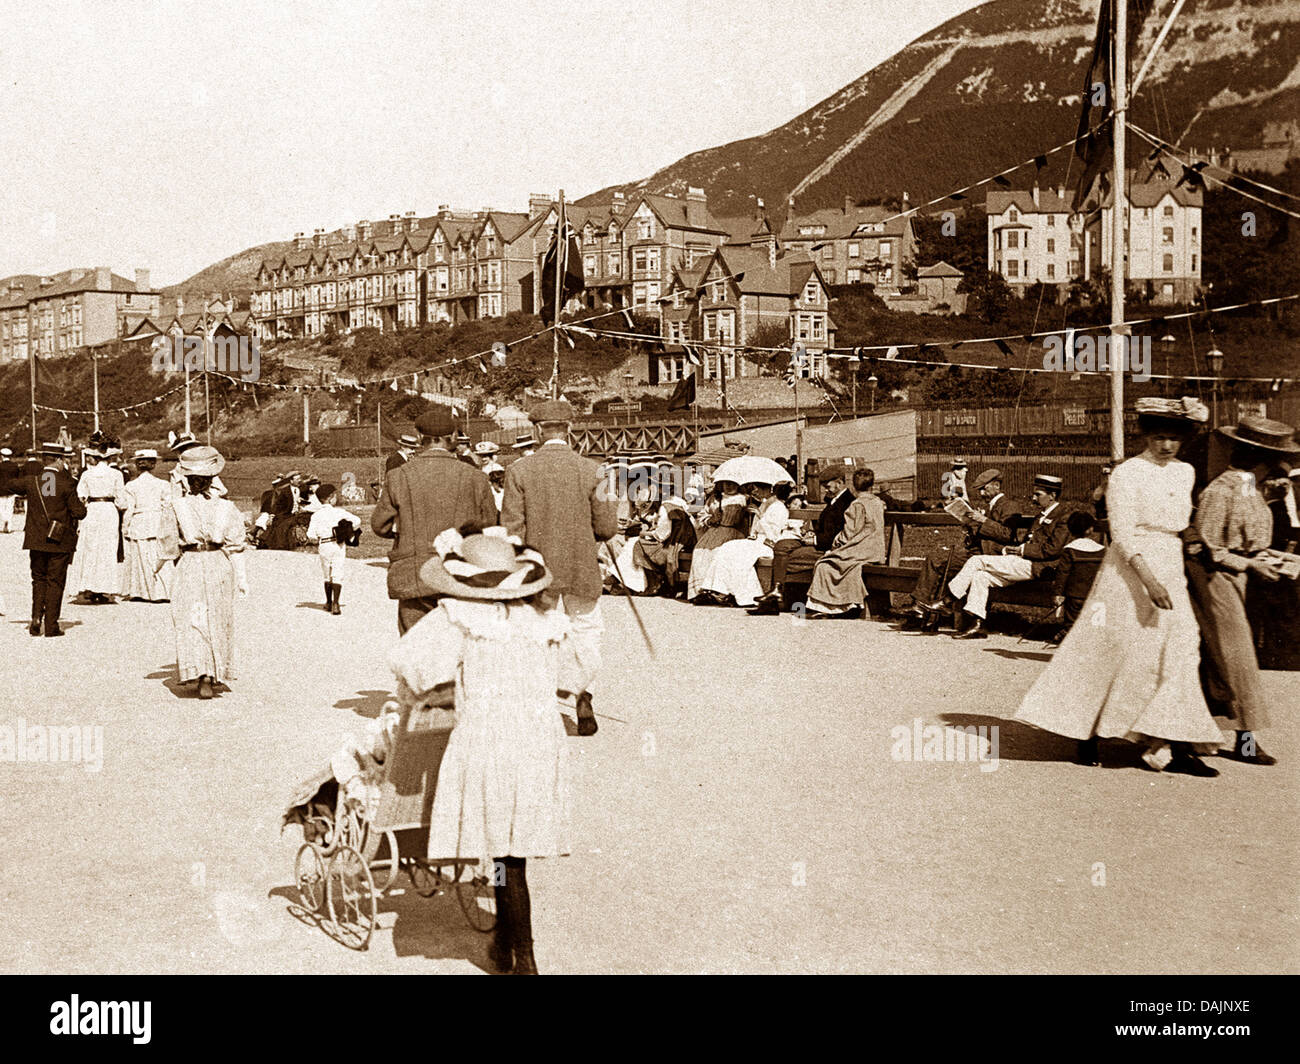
(993,86)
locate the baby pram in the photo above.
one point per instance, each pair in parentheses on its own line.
(359,834)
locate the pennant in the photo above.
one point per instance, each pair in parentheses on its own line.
(498,354)
(394,384)
(627,319)
(1040,161)
(1001,181)
(891,354)
(1005,348)
(693,355)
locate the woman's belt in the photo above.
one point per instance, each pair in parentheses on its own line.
(202,545)
(100,498)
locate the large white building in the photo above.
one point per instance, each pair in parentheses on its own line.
(1164,238)
(1030,237)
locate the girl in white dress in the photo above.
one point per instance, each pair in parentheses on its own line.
(1128,668)
(95,568)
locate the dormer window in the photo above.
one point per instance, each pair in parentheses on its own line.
(811,292)
(1013,215)
(645,228)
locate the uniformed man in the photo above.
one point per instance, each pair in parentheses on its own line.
(554,502)
(53,508)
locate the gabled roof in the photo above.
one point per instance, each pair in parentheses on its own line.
(1049,202)
(1150,193)
(751,270)
(510,225)
(939,269)
(677,212)
(840,224)
(67,282)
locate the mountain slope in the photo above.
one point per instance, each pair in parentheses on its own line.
(994,86)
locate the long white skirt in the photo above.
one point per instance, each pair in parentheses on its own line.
(141,579)
(95,566)
(731,570)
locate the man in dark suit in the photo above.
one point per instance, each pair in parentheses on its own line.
(1034,558)
(407,445)
(556,501)
(998,526)
(422,497)
(53,506)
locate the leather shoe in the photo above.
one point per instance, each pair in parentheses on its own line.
(205,687)
(53,632)
(34,628)
(769,606)
(1191,765)
(1257,756)
(1087,753)
(586,715)
(975,631)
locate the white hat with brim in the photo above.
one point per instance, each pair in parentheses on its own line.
(487,568)
(486,447)
(493,467)
(144,452)
(56,450)
(201,461)
(6,453)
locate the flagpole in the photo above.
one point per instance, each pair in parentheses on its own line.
(561,255)
(31,362)
(798,432)
(1118,234)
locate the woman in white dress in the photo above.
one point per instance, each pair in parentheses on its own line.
(96,571)
(146,496)
(206,533)
(1128,668)
(503,792)
(731,574)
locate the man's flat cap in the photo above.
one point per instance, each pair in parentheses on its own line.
(435,422)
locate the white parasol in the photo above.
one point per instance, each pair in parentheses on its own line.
(752,469)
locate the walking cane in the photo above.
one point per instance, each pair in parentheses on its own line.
(632,604)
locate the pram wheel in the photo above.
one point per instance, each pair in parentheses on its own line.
(476,895)
(424,878)
(309,874)
(386,867)
(350,894)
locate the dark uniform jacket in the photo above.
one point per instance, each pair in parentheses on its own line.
(60,503)
(553,501)
(831,522)
(1047,539)
(429,494)
(1005,524)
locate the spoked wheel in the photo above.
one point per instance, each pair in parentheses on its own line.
(309,874)
(424,878)
(350,894)
(386,867)
(476,895)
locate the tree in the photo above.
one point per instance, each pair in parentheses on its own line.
(988,296)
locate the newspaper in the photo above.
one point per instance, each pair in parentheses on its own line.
(959,508)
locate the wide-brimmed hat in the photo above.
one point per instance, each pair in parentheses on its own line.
(484,566)
(493,467)
(525,440)
(987,477)
(183,441)
(1264,434)
(1048,482)
(57,450)
(408,439)
(201,461)
(486,447)
(959,463)
(5,452)
(144,452)
(1186,412)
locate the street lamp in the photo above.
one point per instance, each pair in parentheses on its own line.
(1215,358)
(873,382)
(1167,342)
(628,378)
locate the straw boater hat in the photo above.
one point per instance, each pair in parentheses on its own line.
(6,453)
(486,447)
(144,452)
(201,461)
(959,463)
(1048,482)
(408,439)
(483,566)
(524,441)
(56,450)
(1264,434)
(179,442)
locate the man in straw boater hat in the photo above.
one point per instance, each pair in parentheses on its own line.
(407,444)
(1235,527)
(525,444)
(424,496)
(204,533)
(554,501)
(503,792)
(1026,561)
(178,443)
(53,510)
(146,496)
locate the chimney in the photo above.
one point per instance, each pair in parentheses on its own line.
(180,305)
(771,251)
(759,211)
(1060,193)
(411,221)
(444,210)
(905,201)
(103,279)
(539,203)
(318,238)
(47,282)
(848,204)
(299,241)
(363,229)
(142,280)
(790,203)
(1035,193)
(696,194)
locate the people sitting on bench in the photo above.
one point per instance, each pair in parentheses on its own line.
(793,559)
(1030,560)
(1000,525)
(837,589)
(731,579)
(729,520)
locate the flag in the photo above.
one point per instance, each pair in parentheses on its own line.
(693,355)
(891,353)
(564,240)
(683,395)
(1094,145)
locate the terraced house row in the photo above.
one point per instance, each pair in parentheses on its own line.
(59,314)
(637,252)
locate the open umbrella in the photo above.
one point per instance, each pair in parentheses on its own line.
(751,469)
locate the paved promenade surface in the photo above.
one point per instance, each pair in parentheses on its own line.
(742,808)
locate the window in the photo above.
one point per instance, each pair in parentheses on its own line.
(1013,268)
(720,292)
(1168,265)
(1193,264)
(812,292)
(828,253)
(1051,271)
(1074,267)
(1193,234)
(830,276)
(589,265)
(1167,290)
(638,295)
(652,292)
(1051,246)
(645,228)
(639,260)
(708,326)
(652,259)
(1051,221)
(1013,239)
(677,299)
(589,235)
(672,369)
(1013,215)
(1167,235)
(855,251)
(614,264)
(854,276)
(886,249)
(1168,212)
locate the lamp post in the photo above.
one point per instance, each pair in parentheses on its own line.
(874,384)
(628,378)
(1215,358)
(1167,343)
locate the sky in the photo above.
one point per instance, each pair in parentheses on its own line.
(168,135)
